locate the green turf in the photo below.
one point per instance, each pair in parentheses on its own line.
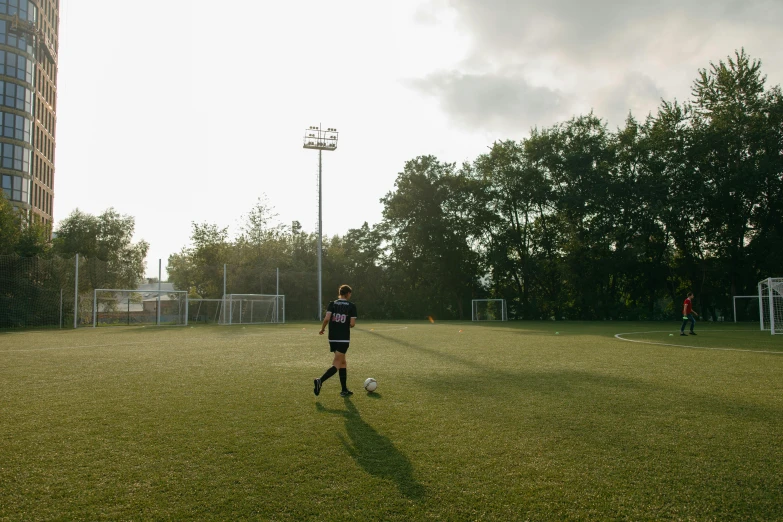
(497,422)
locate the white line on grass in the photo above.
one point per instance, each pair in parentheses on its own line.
(618,336)
(81,346)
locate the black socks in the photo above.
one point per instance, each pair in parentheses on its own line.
(343,377)
(331,371)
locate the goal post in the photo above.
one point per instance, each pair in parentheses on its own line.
(118,307)
(746,309)
(489,310)
(253,309)
(771,305)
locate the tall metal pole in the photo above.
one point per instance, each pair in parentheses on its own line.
(320,237)
(160,261)
(76,295)
(226,313)
(321,140)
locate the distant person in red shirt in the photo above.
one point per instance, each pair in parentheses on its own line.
(687,314)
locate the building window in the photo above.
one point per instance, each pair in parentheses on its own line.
(24,8)
(16,96)
(9,37)
(16,188)
(15,126)
(16,66)
(15,157)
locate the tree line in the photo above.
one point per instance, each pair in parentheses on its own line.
(576,221)
(38,273)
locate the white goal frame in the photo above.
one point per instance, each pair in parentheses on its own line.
(474,310)
(236,311)
(184,299)
(734,300)
(771,305)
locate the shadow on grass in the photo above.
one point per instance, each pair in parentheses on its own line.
(375,453)
(580,387)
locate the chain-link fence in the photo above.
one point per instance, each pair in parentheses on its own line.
(41,292)
(380,293)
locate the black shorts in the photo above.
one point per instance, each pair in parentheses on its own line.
(341,347)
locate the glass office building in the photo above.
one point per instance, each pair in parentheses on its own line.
(28,104)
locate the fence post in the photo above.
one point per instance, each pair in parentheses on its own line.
(76,295)
(159,274)
(61,307)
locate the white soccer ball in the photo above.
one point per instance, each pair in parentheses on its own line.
(370,384)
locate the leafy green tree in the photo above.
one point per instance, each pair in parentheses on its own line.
(737,128)
(200,267)
(427,239)
(512,194)
(108,237)
(19,233)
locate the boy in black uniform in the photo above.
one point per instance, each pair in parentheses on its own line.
(341,317)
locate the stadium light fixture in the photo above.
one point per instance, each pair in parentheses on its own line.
(320,140)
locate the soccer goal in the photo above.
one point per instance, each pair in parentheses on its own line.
(489,310)
(116,307)
(771,304)
(253,309)
(746,308)
(204,311)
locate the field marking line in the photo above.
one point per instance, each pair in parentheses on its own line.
(617,336)
(384,329)
(80,346)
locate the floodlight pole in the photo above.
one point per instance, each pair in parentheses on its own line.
(321,140)
(320,235)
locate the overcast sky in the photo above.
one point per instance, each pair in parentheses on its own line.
(175,111)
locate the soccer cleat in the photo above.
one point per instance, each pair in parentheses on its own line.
(317,386)
(683,334)
(346,393)
(693,333)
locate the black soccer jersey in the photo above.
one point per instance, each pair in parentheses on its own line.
(340,323)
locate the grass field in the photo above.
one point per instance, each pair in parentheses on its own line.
(470,422)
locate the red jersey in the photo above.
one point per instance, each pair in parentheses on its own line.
(688,305)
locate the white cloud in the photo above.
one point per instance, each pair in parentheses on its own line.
(612,57)
(504,102)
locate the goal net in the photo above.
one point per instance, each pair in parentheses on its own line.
(771,304)
(117,307)
(253,309)
(204,311)
(489,310)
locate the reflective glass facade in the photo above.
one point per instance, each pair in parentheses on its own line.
(29,34)
(24,8)
(21,42)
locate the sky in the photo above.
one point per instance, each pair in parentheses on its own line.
(183,111)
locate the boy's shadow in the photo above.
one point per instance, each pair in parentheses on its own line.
(376,453)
